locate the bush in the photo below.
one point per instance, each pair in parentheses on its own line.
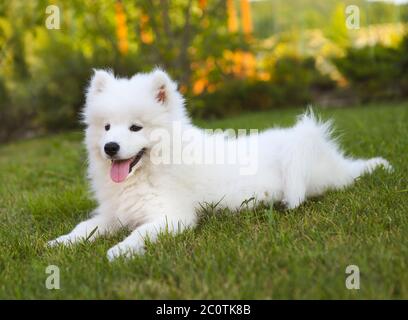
(15,113)
(60,90)
(377,72)
(51,94)
(233,97)
(294,82)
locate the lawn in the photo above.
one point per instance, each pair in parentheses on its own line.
(259,254)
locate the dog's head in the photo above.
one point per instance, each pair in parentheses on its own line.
(120,115)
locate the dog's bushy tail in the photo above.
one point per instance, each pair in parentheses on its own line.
(316,163)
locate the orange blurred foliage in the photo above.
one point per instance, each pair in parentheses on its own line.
(232,16)
(146,35)
(246,18)
(121,28)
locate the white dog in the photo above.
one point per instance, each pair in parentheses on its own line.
(123,117)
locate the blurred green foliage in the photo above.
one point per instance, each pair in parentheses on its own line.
(44,73)
(377,72)
(276,16)
(294,82)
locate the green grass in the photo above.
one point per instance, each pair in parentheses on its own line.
(265,253)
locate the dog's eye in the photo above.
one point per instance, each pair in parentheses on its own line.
(135,128)
(107,127)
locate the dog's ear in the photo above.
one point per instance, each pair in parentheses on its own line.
(163,86)
(99,81)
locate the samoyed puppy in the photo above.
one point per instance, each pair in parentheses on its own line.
(150,172)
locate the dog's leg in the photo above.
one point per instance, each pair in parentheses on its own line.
(294,190)
(294,177)
(86,230)
(135,242)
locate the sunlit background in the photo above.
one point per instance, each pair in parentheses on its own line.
(228,56)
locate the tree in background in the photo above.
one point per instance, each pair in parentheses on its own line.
(38,67)
(181,34)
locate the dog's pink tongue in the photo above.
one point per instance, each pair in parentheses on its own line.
(120,170)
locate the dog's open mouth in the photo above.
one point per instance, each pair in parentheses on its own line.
(120,169)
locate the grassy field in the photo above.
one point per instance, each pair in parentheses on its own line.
(265,253)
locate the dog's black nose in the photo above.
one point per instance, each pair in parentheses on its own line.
(111,148)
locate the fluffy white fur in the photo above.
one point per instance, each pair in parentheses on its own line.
(293,164)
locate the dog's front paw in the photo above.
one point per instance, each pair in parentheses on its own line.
(124,250)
